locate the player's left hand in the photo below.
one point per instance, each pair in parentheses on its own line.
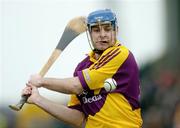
(35,80)
(33,93)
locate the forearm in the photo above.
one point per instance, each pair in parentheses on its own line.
(61,112)
(67,85)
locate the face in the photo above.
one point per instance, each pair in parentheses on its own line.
(103,36)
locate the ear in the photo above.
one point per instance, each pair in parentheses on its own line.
(117,30)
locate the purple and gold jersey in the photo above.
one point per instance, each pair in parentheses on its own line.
(119,108)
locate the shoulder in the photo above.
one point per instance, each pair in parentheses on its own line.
(85,59)
(112,57)
(129,59)
(118,52)
(117,49)
(85,63)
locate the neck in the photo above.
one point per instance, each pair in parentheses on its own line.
(98,51)
(97,55)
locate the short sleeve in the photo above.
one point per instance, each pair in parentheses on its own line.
(105,67)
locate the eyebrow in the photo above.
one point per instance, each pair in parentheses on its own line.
(104,25)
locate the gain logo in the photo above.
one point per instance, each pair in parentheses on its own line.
(91,99)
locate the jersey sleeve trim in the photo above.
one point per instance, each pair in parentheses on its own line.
(77,107)
(82,80)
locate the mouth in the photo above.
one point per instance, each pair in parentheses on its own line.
(103,42)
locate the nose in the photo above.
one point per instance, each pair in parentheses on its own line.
(102,32)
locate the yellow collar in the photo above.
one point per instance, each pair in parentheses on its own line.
(92,54)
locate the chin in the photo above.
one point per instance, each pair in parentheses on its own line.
(102,47)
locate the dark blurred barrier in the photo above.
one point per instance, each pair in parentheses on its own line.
(161,79)
(29,117)
(7,118)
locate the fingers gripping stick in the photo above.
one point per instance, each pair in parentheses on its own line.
(75,27)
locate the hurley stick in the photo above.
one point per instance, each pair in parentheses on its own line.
(75,27)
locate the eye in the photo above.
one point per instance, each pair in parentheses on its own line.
(108,28)
(95,29)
